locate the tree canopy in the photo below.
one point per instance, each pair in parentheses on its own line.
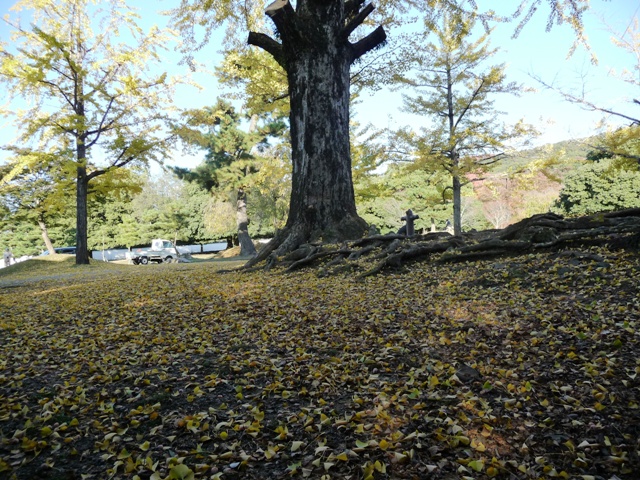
(233,157)
(601,186)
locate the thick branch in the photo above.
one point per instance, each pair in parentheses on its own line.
(351,7)
(278,8)
(368,43)
(357,20)
(283,16)
(268,44)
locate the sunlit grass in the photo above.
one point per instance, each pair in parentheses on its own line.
(48,265)
(65,265)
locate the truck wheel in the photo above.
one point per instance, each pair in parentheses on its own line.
(144,260)
(168,259)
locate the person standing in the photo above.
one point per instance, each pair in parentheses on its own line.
(8,257)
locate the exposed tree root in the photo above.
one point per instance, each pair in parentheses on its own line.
(376,253)
(315,256)
(286,241)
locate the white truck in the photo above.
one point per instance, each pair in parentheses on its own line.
(160,251)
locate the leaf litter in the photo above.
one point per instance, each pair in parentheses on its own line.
(521,367)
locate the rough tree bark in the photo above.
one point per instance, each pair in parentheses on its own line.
(316,53)
(82,187)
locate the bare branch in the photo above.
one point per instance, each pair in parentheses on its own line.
(491,159)
(269,45)
(57,87)
(586,104)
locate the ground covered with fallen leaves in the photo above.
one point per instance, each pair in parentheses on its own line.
(517,367)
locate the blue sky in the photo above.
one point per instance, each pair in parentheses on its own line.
(544,54)
(533,52)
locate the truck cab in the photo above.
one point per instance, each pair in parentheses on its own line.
(161,251)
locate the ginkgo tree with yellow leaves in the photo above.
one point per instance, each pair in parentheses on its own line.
(456,90)
(82,69)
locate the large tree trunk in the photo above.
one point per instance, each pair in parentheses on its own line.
(317,55)
(246,244)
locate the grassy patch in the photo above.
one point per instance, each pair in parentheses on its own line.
(49,265)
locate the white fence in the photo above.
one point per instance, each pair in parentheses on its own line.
(3,262)
(121,253)
(110,255)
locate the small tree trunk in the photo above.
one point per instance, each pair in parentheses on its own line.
(45,236)
(82,187)
(246,244)
(457,214)
(454,156)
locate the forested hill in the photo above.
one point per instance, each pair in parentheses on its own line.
(520,185)
(528,182)
(568,155)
